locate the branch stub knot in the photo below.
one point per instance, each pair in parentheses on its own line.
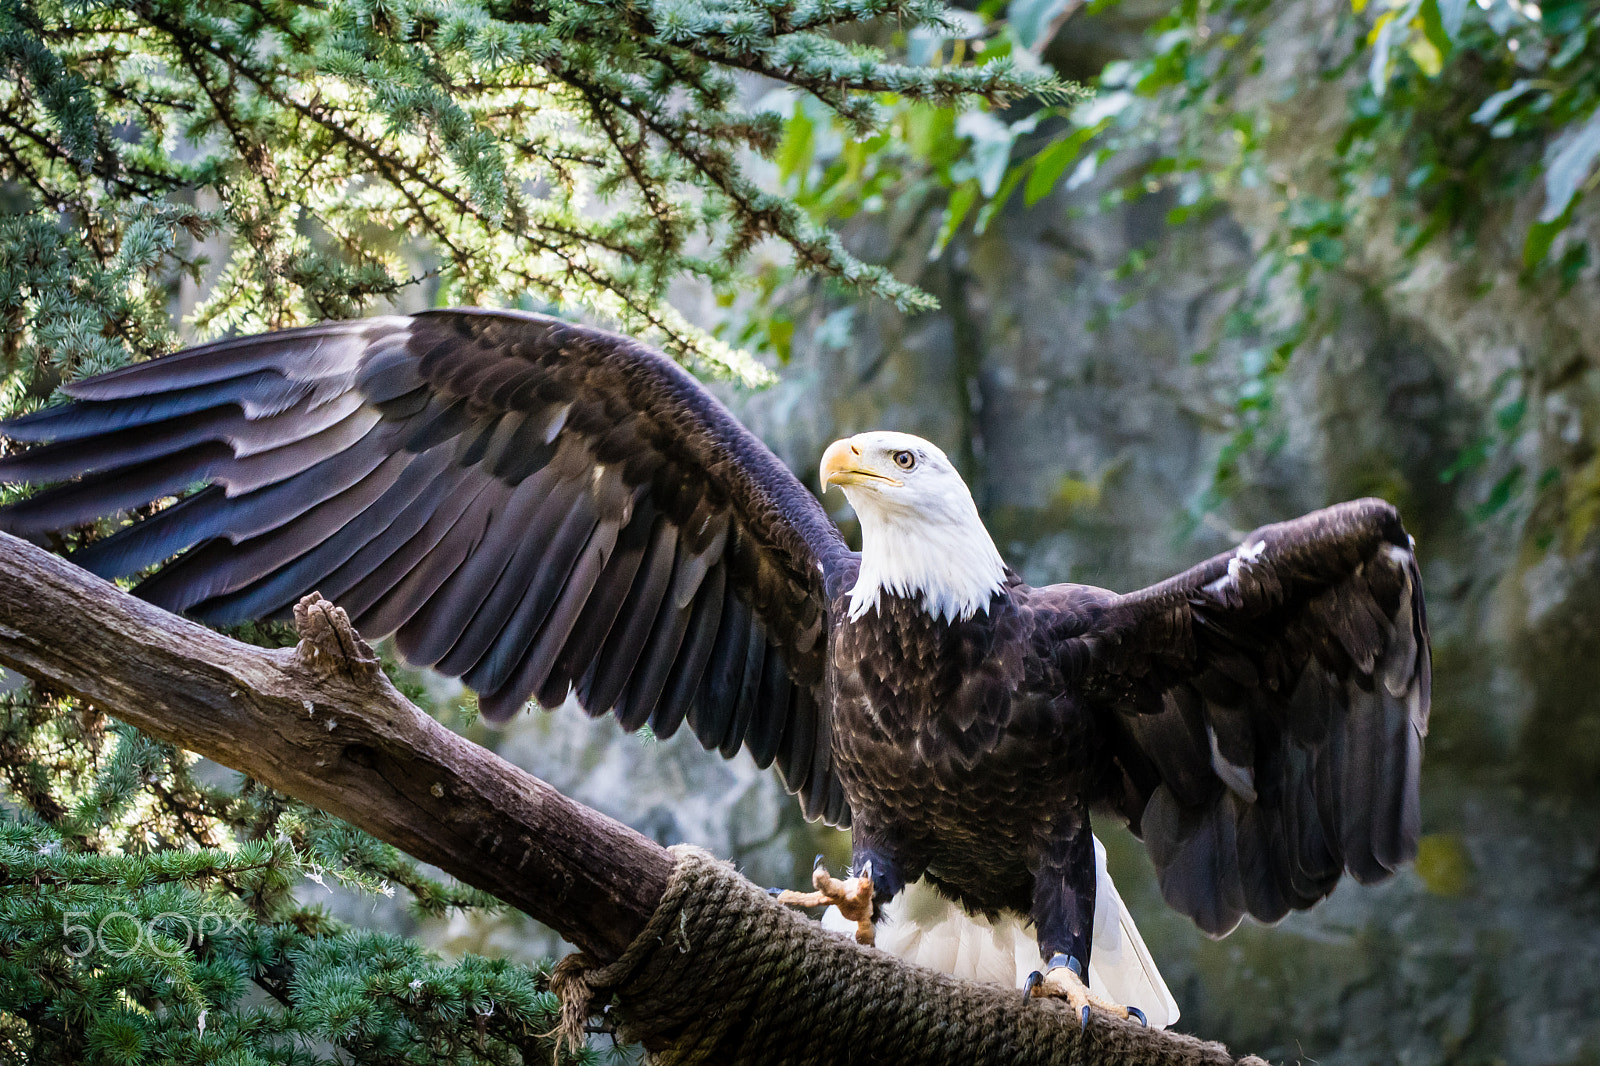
(329,644)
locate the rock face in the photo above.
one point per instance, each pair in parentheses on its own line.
(1071,402)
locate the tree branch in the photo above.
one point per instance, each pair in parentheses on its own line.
(331,730)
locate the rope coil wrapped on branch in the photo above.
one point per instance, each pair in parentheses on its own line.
(723,974)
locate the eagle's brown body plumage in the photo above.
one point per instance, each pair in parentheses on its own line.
(960,749)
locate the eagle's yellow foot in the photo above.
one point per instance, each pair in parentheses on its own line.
(853,897)
(1063,980)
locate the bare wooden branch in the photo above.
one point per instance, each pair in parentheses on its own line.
(320,723)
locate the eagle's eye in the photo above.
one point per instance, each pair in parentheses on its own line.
(904,460)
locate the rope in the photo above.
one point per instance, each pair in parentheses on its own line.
(722,974)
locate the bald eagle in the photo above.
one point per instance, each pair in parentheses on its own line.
(542,508)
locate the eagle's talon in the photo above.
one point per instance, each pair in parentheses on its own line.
(1063,979)
(853,897)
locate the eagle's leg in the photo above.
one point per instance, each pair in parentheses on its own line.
(1063,915)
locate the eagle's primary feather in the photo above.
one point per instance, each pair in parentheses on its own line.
(542,508)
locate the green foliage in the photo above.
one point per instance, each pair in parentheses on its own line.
(925,149)
(925,159)
(573,152)
(76,303)
(147,915)
(1451,123)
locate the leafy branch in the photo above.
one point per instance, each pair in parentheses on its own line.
(572,152)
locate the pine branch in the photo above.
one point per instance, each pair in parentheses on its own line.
(9,875)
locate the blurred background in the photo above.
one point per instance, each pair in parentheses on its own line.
(1288,271)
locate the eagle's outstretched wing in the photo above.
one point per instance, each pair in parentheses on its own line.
(528,504)
(1266,711)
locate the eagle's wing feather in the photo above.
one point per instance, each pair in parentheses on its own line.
(1266,712)
(528,504)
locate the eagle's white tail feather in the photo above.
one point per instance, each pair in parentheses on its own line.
(923,927)
(1120,966)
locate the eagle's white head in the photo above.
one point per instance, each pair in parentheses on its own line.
(920,531)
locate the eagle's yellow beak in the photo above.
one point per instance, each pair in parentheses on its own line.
(843,464)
